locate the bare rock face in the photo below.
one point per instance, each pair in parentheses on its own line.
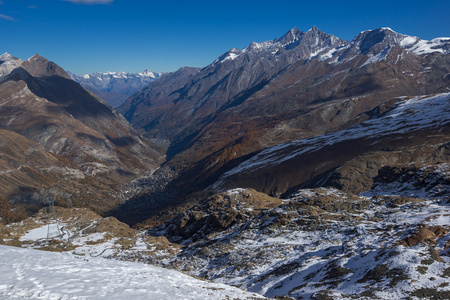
(39,66)
(423,234)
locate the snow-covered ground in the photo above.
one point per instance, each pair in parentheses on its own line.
(32,274)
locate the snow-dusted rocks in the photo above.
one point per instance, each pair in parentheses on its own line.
(315,242)
(296,44)
(8,63)
(330,243)
(377,43)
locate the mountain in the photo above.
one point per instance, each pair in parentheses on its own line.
(223,84)
(305,167)
(115,87)
(301,85)
(316,244)
(60,140)
(8,63)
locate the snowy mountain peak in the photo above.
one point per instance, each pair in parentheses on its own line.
(6,57)
(301,45)
(382,38)
(314,29)
(291,37)
(147,73)
(8,63)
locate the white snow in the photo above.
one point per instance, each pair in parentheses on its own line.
(231,56)
(328,54)
(38,233)
(31,274)
(426,47)
(378,57)
(408,40)
(6,57)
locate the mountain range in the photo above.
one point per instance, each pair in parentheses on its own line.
(298,86)
(115,87)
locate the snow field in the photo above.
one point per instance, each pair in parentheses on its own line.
(31,274)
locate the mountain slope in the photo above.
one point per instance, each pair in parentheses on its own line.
(316,244)
(407,124)
(78,140)
(303,83)
(221,84)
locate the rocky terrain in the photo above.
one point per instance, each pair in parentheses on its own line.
(315,244)
(318,244)
(59,139)
(115,87)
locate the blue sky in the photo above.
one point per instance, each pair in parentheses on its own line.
(85,36)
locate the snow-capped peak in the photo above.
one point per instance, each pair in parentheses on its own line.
(387,37)
(6,57)
(304,45)
(147,73)
(8,63)
(291,37)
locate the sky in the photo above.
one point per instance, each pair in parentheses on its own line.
(85,36)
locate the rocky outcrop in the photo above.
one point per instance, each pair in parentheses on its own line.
(217,213)
(316,242)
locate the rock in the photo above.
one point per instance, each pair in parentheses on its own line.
(423,234)
(439,231)
(217,213)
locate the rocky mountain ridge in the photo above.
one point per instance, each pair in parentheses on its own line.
(408,123)
(62,140)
